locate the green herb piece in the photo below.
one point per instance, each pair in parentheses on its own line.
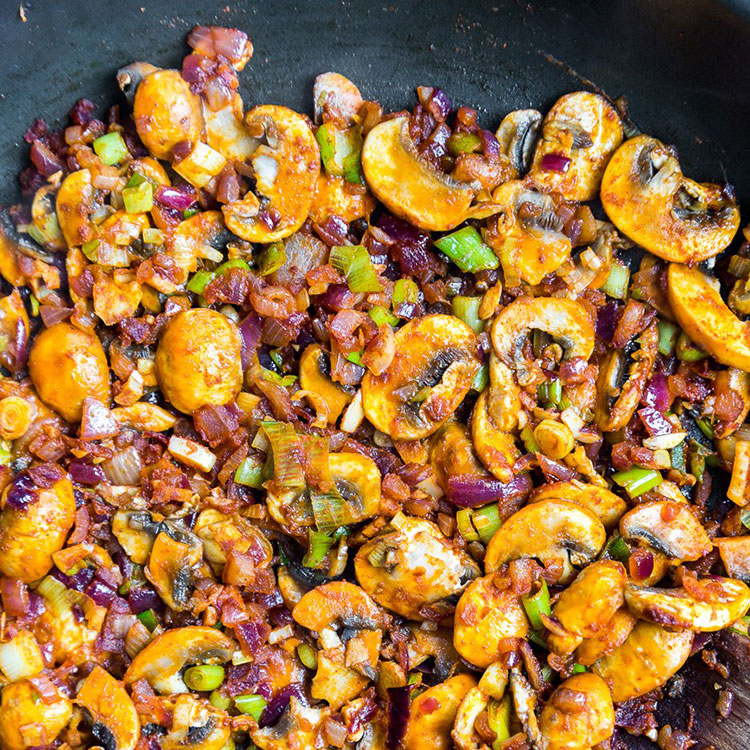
(251,704)
(467,309)
(467,250)
(705,426)
(139,199)
(204,677)
(618,550)
(637,480)
(616,285)
(578,668)
(272,258)
(110,148)
(135,180)
(536,605)
(188,212)
(355,263)
(148,618)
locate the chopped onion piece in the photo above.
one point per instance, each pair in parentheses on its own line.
(191,453)
(21,656)
(124,468)
(353,415)
(664,442)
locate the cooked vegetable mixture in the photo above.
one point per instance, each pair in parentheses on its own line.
(372,431)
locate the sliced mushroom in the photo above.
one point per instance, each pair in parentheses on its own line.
(314,375)
(526,234)
(337,604)
(286,167)
(196,725)
(300,726)
(14,332)
(585,608)
(112,715)
(723,602)
(649,656)
(30,535)
(163,660)
(612,416)
(429,376)
(136,530)
(579,135)
(166,112)
(525,702)
(669,527)
(578,714)
(517,134)
(700,310)
(172,567)
(559,533)
(452,453)
(735,554)
(648,198)
(485,616)
(356,479)
(28,721)
(492,686)
(221,533)
(503,398)
(334,197)
(607,506)
(496,449)
(615,634)
(430,723)
(409,186)
(75,203)
(413,567)
(337,93)
(129,77)
(737,382)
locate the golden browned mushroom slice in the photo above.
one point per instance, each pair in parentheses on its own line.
(221,533)
(136,530)
(704,315)
(737,382)
(409,186)
(198,360)
(112,715)
(649,656)
(286,167)
(452,453)
(517,135)
(433,712)
(75,203)
(166,112)
(496,449)
(14,328)
(579,134)
(735,554)
(567,321)
(26,720)
(648,198)
(723,602)
(172,566)
(607,506)
(413,567)
(163,660)
(578,714)
(618,629)
(339,604)
(300,726)
(585,608)
(79,365)
(530,242)
(34,523)
(429,376)
(314,375)
(338,94)
(559,533)
(669,527)
(487,694)
(485,616)
(196,725)
(334,197)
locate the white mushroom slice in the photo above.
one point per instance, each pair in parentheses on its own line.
(648,198)
(669,527)
(338,93)
(725,601)
(517,134)
(559,533)
(407,184)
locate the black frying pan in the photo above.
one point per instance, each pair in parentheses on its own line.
(683,65)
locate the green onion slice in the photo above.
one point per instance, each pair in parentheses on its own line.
(467,250)
(668,333)
(637,480)
(487,521)
(110,148)
(306,654)
(536,605)
(204,677)
(250,473)
(272,258)
(251,704)
(286,449)
(467,309)
(138,199)
(319,546)
(498,717)
(382,316)
(355,263)
(148,618)
(616,285)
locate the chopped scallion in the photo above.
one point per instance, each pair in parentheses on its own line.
(286,449)
(619,550)
(465,525)
(110,148)
(481,379)
(463,143)
(578,668)
(219,700)
(306,654)
(529,441)
(637,480)
(487,521)
(251,704)
(668,333)
(341,151)
(148,618)
(687,351)
(355,263)
(498,717)
(616,285)
(204,677)
(200,280)
(382,316)
(138,199)
(319,546)
(705,426)
(467,309)
(250,473)
(405,290)
(272,258)
(536,605)
(467,250)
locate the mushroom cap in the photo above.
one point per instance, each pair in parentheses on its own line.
(66,365)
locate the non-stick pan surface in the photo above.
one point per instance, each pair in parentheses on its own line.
(683,65)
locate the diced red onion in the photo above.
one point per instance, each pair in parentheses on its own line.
(251,635)
(554,470)
(15,597)
(471,491)
(46,162)
(337,297)
(78,581)
(279,703)
(52,314)
(398,716)
(22,492)
(45,687)
(100,593)
(215,423)
(179,198)
(250,328)
(656,393)
(644,563)
(606,320)
(142,598)
(555,163)
(655,422)
(490,145)
(218,40)
(333,231)
(86,473)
